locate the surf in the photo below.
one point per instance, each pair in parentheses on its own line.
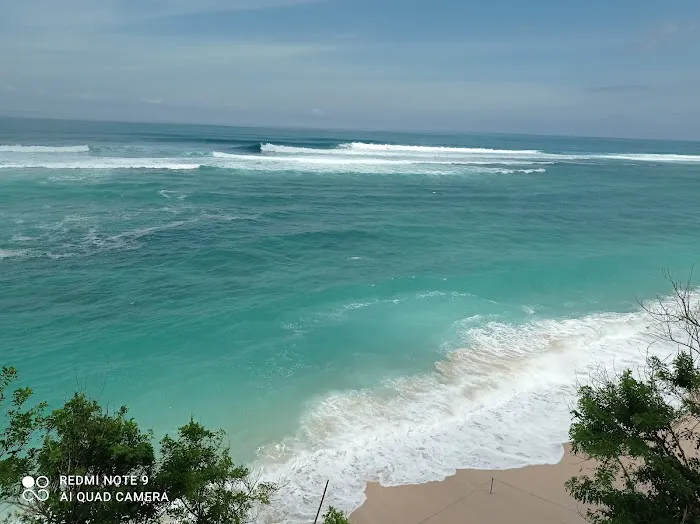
(44,149)
(103,164)
(501,401)
(470,154)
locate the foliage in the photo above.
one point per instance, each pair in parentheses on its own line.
(334,516)
(201,482)
(82,439)
(197,469)
(16,432)
(643,432)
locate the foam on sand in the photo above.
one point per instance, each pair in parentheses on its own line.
(43,149)
(529,494)
(500,402)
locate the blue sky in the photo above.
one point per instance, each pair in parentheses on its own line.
(622,68)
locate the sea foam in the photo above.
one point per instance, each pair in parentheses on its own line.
(471,155)
(361,146)
(502,401)
(351,157)
(104,163)
(649,157)
(43,149)
(12,253)
(369,164)
(384,150)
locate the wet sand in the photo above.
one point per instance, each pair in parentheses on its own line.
(530,494)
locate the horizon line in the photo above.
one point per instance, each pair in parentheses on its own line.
(4,115)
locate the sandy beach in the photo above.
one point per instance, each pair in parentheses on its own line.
(531,494)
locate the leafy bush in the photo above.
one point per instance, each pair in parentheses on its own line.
(333,516)
(201,483)
(643,432)
(197,469)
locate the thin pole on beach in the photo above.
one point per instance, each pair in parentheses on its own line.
(491,490)
(321,504)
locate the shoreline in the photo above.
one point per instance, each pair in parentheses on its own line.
(527,494)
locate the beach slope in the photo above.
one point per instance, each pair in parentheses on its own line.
(531,494)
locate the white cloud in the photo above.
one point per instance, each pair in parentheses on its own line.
(76,58)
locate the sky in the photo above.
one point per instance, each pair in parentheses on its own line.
(598,68)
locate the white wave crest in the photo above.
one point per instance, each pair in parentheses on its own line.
(12,253)
(502,401)
(526,171)
(310,159)
(648,157)
(43,149)
(470,155)
(530,154)
(273,148)
(355,157)
(334,163)
(410,153)
(247,163)
(104,163)
(361,146)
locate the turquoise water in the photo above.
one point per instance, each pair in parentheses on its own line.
(347,305)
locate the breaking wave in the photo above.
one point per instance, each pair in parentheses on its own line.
(502,401)
(248,163)
(361,146)
(105,163)
(351,157)
(43,149)
(468,154)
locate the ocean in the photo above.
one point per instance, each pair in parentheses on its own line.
(348,306)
